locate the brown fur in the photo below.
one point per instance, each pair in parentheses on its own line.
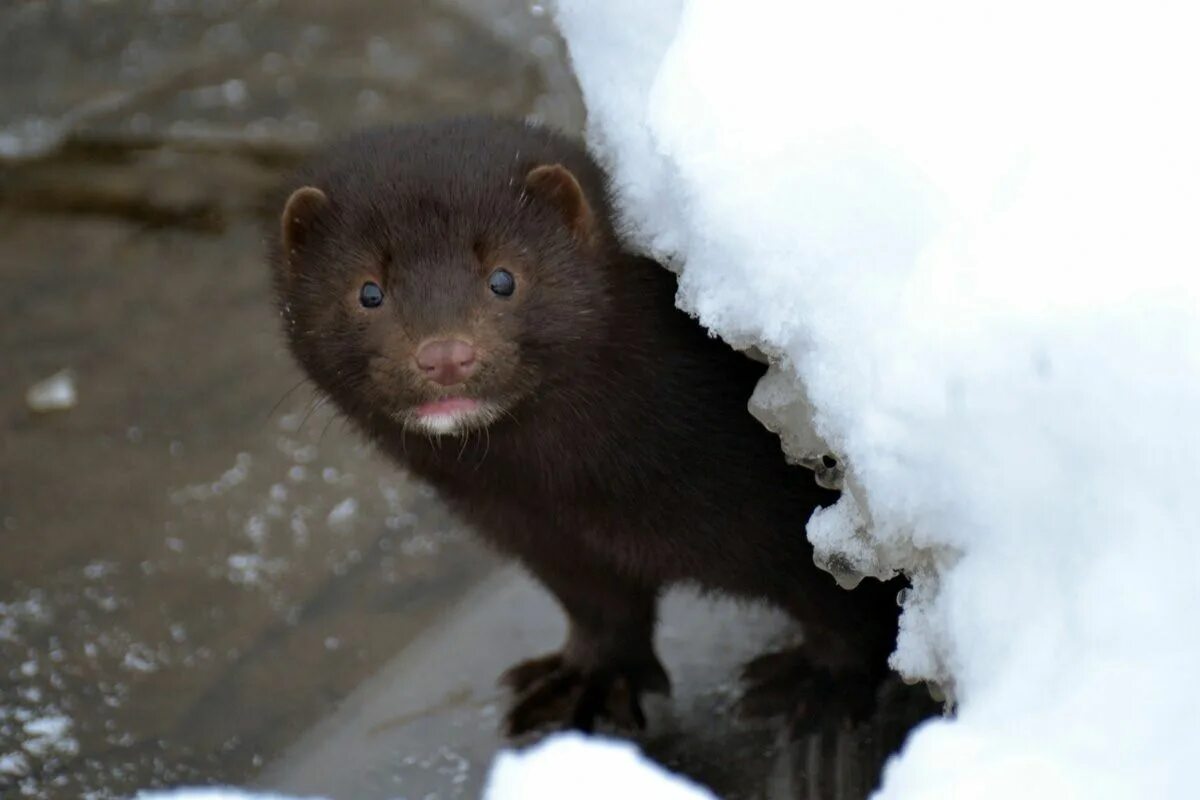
(619,458)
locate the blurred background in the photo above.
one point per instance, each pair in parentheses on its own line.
(195,565)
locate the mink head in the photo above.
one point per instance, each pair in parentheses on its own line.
(437,276)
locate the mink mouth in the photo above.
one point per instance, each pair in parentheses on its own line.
(448,406)
(450,415)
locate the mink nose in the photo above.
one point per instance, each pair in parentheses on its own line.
(446,361)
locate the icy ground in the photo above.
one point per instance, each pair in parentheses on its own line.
(967,240)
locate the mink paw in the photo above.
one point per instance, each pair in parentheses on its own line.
(812,699)
(552,692)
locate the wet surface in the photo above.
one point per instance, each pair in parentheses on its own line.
(201,569)
(267,73)
(427,724)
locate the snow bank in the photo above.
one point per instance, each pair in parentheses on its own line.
(967,238)
(582,768)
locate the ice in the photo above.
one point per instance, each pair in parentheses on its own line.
(966,242)
(584,769)
(56,393)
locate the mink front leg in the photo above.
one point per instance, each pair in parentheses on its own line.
(607,661)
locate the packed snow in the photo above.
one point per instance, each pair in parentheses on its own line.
(584,769)
(966,239)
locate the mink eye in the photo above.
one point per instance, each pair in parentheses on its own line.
(370,295)
(502,283)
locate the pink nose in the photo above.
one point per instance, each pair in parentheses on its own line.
(446,361)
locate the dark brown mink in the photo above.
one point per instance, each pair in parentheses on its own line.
(458,290)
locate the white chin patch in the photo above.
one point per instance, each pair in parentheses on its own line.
(452,423)
(441,423)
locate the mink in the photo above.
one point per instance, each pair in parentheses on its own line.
(460,291)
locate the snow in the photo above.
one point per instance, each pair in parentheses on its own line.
(966,241)
(343,514)
(591,768)
(49,734)
(14,764)
(585,769)
(230,478)
(56,393)
(251,569)
(213,794)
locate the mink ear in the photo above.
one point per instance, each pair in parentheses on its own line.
(299,215)
(555,184)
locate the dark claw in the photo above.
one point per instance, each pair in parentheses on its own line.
(593,697)
(551,692)
(776,665)
(653,679)
(627,706)
(549,700)
(519,677)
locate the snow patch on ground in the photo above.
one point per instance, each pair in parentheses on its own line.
(56,393)
(43,738)
(343,514)
(584,769)
(49,734)
(966,241)
(213,794)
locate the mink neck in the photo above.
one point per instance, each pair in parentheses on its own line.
(623,359)
(619,388)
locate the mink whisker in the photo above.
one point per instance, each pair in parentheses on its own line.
(286,394)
